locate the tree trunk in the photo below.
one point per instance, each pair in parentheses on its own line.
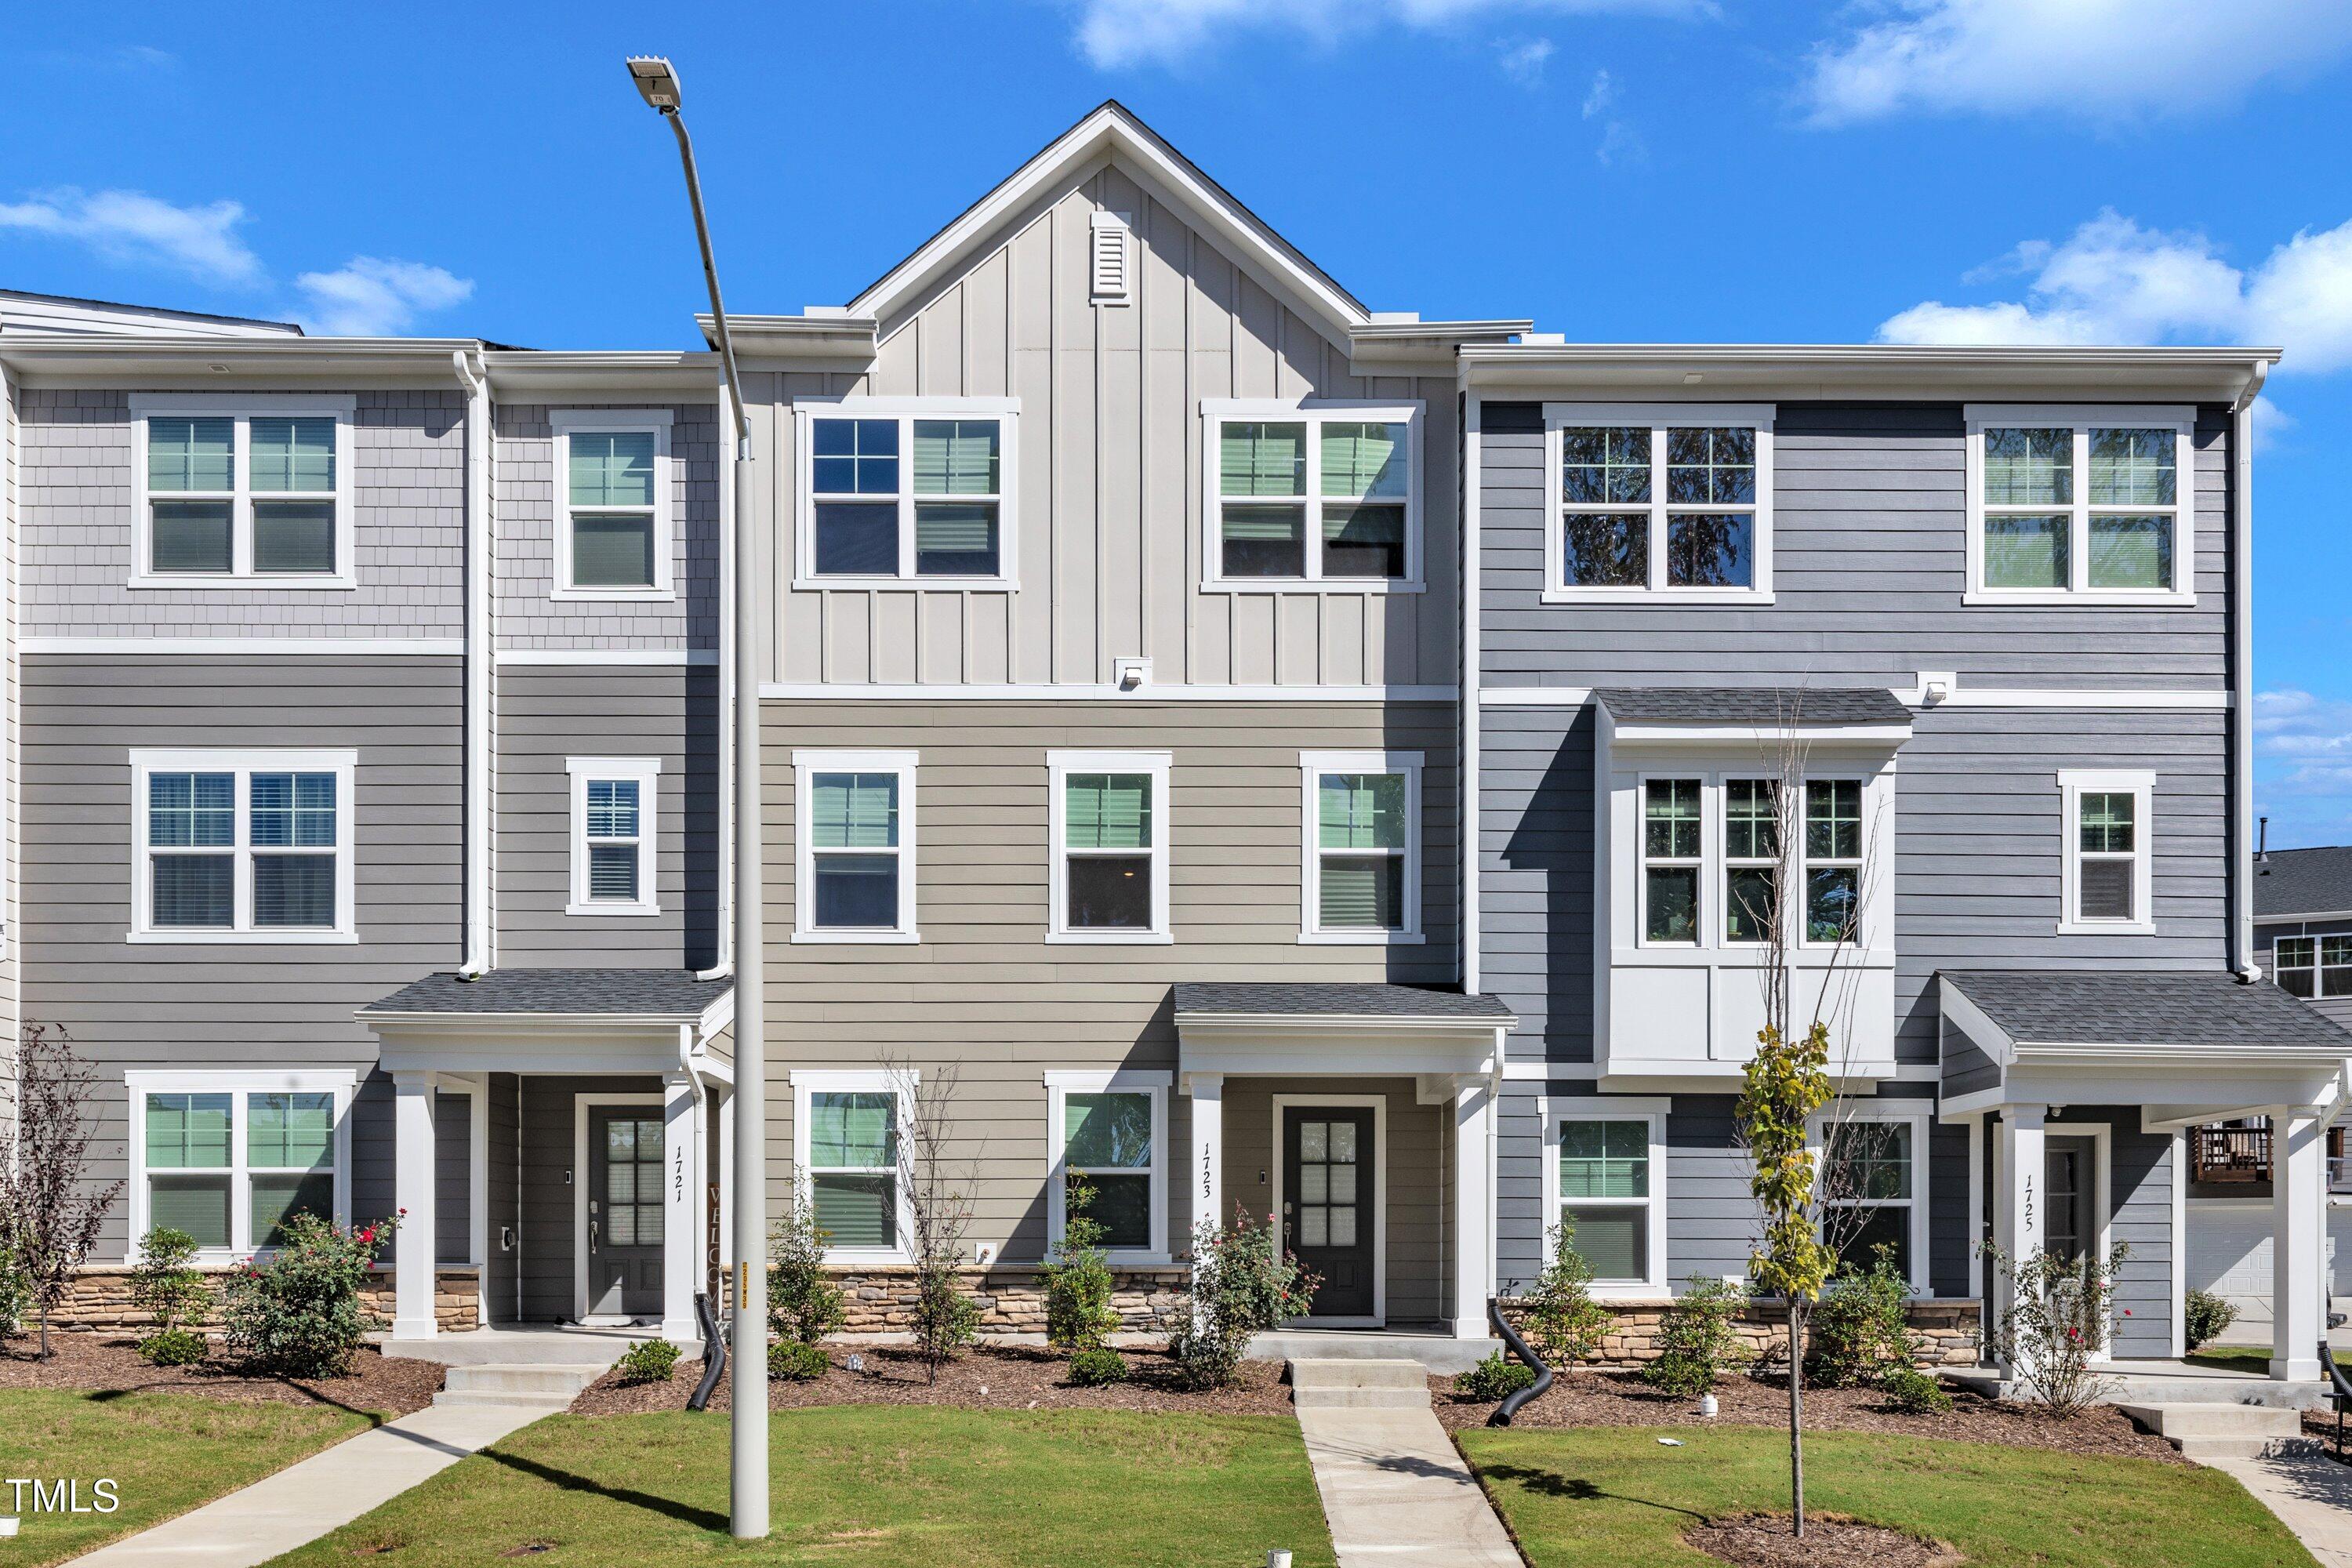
(1797,1416)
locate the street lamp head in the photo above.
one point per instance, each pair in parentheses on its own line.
(657,81)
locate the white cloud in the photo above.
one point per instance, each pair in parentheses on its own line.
(369,297)
(1524,63)
(2308,737)
(2101,59)
(1602,93)
(2112,281)
(131,228)
(1119,33)
(1620,142)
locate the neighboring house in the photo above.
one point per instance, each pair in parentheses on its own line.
(2303,937)
(1246,749)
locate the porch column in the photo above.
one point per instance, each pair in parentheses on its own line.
(1208,1090)
(2017,1208)
(681,1235)
(1474,1115)
(412,1246)
(725,1117)
(2298,1191)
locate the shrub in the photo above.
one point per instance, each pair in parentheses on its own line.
(1913,1392)
(167,1288)
(797,1363)
(2204,1316)
(1862,1326)
(1078,1314)
(1562,1322)
(1097,1366)
(649,1361)
(174,1347)
(15,1293)
(299,1315)
(1496,1377)
(1243,1283)
(1696,1341)
(2055,1322)
(946,1321)
(804,1302)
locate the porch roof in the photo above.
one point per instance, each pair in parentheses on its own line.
(2077,1008)
(1214,1001)
(670,994)
(1776,706)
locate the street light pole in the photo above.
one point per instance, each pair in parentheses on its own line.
(657,83)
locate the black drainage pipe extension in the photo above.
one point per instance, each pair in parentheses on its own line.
(714,1352)
(1536,1390)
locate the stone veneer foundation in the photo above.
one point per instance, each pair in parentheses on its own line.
(1948,1332)
(102,1300)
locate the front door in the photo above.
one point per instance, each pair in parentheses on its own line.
(1326,1203)
(2070,1226)
(624,1212)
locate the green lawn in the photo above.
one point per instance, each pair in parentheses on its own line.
(166,1453)
(1613,1496)
(2235,1358)
(870,1485)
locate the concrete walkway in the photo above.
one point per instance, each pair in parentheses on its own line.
(1395,1492)
(2312,1495)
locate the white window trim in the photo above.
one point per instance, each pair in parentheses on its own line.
(1313,412)
(1801,917)
(1705,918)
(808,1082)
(805,764)
(1060,1087)
(1817,1128)
(646,773)
(1312,766)
(1059,765)
(1658,417)
(1650,1111)
(1724,866)
(243,762)
(568,422)
(2081,419)
(343,408)
(236,1083)
(2074,783)
(806,411)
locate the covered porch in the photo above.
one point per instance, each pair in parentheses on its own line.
(2082,1089)
(1362,1117)
(576,1117)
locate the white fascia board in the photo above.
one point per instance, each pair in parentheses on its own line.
(1799,371)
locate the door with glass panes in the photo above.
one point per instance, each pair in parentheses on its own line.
(1326,1201)
(624,1240)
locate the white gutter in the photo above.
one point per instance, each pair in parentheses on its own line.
(724,968)
(479,956)
(2241,657)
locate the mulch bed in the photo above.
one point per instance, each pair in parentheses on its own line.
(390,1385)
(991,1377)
(1622,1399)
(1765,1541)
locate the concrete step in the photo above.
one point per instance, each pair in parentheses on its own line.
(549,1402)
(2140,1388)
(1357,1399)
(2205,1430)
(552,1385)
(1436,1353)
(1330,1383)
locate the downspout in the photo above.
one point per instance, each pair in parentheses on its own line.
(470,374)
(1471,652)
(2241,696)
(724,968)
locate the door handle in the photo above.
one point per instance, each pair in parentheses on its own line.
(592,1235)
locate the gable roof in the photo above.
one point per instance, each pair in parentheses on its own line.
(2113,1007)
(2289,882)
(1112,132)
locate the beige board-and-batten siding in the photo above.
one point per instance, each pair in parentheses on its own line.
(985,995)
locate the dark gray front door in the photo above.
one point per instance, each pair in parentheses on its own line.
(2070,1228)
(624,1212)
(1326,1201)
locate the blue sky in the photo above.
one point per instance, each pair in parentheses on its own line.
(1651,170)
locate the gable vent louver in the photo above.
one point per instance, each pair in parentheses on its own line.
(1113,256)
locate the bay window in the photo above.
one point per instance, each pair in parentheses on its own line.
(234,490)
(1672,836)
(1751,860)
(1307,496)
(242,846)
(911,490)
(1360,875)
(2080,505)
(1833,870)
(1664,503)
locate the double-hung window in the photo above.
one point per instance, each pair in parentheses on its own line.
(616,832)
(1306,496)
(854,826)
(1606,1176)
(243,492)
(231,1158)
(2313,966)
(1833,870)
(919,490)
(242,846)
(1658,502)
(2106,877)
(2080,505)
(1109,1132)
(1870,1191)
(1109,845)
(847,1127)
(1361,871)
(614,529)
(1751,861)
(1673,851)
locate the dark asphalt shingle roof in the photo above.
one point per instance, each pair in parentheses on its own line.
(2135,1007)
(2304,881)
(1357,1001)
(570,992)
(1774,705)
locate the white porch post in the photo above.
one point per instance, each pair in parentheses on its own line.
(414,1247)
(725,1117)
(1208,1090)
(681,1237)
(2298,1190)
(1474,1114)
(2017,1208)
